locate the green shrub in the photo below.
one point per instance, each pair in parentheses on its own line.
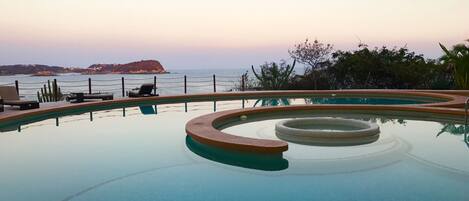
(458,60)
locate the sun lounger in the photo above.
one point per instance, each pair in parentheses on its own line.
(81,97)
(11,97)
(144,91)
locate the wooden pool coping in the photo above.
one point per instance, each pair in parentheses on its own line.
(203,128)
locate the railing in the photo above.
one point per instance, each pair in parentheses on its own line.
(164,85)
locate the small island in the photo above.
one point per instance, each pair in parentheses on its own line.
(138,67)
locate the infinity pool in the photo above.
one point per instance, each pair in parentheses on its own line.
(140,153)
(336,99)
(371,100)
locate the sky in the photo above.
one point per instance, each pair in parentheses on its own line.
(185,34)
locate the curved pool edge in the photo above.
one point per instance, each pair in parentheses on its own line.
(453,101)
(202,128)
(206,128)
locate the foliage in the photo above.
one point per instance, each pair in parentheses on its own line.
(314,56)
(396,68)
(458,59)
(317,80)
(274,76)
(50,93)
(369,68)
(246,82)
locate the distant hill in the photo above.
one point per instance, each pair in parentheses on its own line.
(31,69)
(139,67)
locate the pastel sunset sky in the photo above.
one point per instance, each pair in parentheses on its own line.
(217,33)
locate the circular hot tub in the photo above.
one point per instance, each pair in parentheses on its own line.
(327,131)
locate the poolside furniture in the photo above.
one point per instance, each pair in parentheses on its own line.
(10,97)
(81,97)
(144,91)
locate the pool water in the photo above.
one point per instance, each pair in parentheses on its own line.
(343,100)
(370,101)
(326,127)
(137,154)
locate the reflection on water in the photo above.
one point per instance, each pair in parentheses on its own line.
(455,129)
(336,100)
(267,162)
(272,102)
(10,128)
(361,100)
(221,105)
(83,160)
(384,120)
(147,109)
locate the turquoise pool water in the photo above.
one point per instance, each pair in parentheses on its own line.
(144,154)
(336,99)
(371,101)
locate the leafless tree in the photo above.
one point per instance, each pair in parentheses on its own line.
(313,55)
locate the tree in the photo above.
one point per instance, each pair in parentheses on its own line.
(274,76)
(314,56)
(458,60)
(396,68)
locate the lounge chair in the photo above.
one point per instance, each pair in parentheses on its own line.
(11,97)
(144,91)
(81,97)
